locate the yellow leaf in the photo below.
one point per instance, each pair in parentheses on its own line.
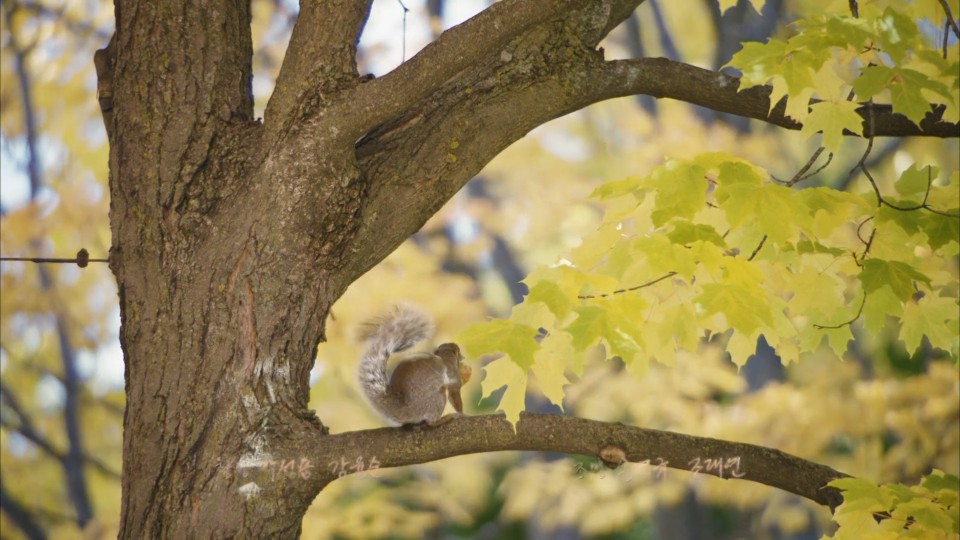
(504,372)
(741,347)
(832,118)
(549,363)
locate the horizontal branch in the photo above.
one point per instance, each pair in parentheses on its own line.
(395,447)
(663,78)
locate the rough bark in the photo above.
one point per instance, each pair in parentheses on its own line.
(554,433)
(232,238)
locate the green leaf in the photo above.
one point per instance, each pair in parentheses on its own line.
(500,335)
(550,294)
(832,118)
(879,305)
(897,34)
(766,208)
(758,62)
(663,256)
(862,494)
(855,31)
(936,317)
(943,486)
(616,321)
(926,514)
(616,188)
(910,222)
(588,328)
(832,209)
(681,190)
(872,81)
(684,232)
(898,275)
(905,94)
(941,230)
(746,311)
(915,181)
(815,293)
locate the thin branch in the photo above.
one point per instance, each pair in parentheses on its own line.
(951,22)
(846,323)
(866,248)
(22,517)
(860,227)
(403,40)
(946,40)
(26,97)
(757,250)
(72,460)
(620,291)
(802,173)
(395,447)
(881,201)
(661,278)
(25,427)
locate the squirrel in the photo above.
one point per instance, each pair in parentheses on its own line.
(418,388)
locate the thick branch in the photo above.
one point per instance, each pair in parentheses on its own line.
(664,78)
(395,447)
(480,37)
(321,56)
(417,161)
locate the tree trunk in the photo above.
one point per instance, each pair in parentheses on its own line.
(221,264)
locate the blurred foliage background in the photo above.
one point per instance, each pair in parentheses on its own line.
(878,412)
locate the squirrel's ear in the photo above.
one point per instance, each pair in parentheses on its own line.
(448,350)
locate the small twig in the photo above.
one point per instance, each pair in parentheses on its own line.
(619,291)
(81,260)
(403,45)
(860,227)
(854,8)
(757,250)
(866,249)
(847,323)
(802,173)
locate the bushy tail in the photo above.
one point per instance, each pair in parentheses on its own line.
(395,331)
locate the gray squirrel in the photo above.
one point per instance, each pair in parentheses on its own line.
(419,386)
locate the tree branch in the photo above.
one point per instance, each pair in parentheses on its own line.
(419,159)
(320,58)
(664,78)
(395,447)
(456,49)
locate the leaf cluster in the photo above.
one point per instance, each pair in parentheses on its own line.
(871,511)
